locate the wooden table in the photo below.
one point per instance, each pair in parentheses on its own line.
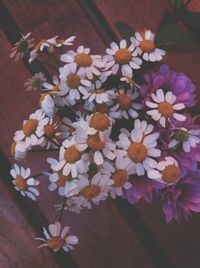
(114,234)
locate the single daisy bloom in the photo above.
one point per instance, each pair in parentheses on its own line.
(19,150)
(72,160)
(119,172)
(56,238)
(125,105)
(92,190)
(50,133)
(100,121)
(186,138)
(139,150)
(21,47)
(88,64)
(145,44)
(166,171)
(99,95)
(31,131)
(47,104)
(65,42)
(73,82)
(99,144)
(35,82)
(164,107)
(122,58)
(23,182)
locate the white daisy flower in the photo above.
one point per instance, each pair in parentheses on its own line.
(166,171)
(139,150)
(122,58)
(144,42)
(31,131)
(100,121)
(125,105)
(98,142)
(88,64)
(65,42)
(53,88)
(19,150)
(73,82)
(56,238)
(99,95)
(187,138)
(164,107)
(70,206)
(23,182)
(21,47)
(119,172)
(72,160)
(35,82)
(93,190)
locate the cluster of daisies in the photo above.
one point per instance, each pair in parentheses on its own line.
(113,136)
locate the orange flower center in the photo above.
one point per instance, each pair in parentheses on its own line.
(83,60)
(171,174)
(137,152)
(56,242)
(12,149)
(72,155)
(101,108)
(73,81)
(49,131)
(91,191)
(99,91)
(165,109)
(147,46)
(62,179)
(30,127)
(21,183)
(100,121)
(124,101)
(123,56)
(94,142)
(120,177)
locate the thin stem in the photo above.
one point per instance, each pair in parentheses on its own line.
(54,142)
(39,174)
(62,209)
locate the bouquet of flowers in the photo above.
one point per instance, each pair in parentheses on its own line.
(121,124)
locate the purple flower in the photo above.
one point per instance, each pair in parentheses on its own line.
(142,187)
(182,198)
(181,86)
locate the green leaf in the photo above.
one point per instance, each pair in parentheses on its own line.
(172,38)
(125,30)
(177,3)
(192,20)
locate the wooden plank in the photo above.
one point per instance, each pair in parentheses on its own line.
(103,233)
(179,241)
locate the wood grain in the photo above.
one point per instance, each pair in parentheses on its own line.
(105,238)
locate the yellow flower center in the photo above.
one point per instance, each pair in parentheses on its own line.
(56,242)
(49,131)
(171,174)
(90,191)
(147,46)
(137,152)
(165,109)
(30,127)
(100,121)
(123,56)
(21,183)
(62,179)
(83,60)
(124,101)
(120,177)
(94,142)
(73,81)
(72,155)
